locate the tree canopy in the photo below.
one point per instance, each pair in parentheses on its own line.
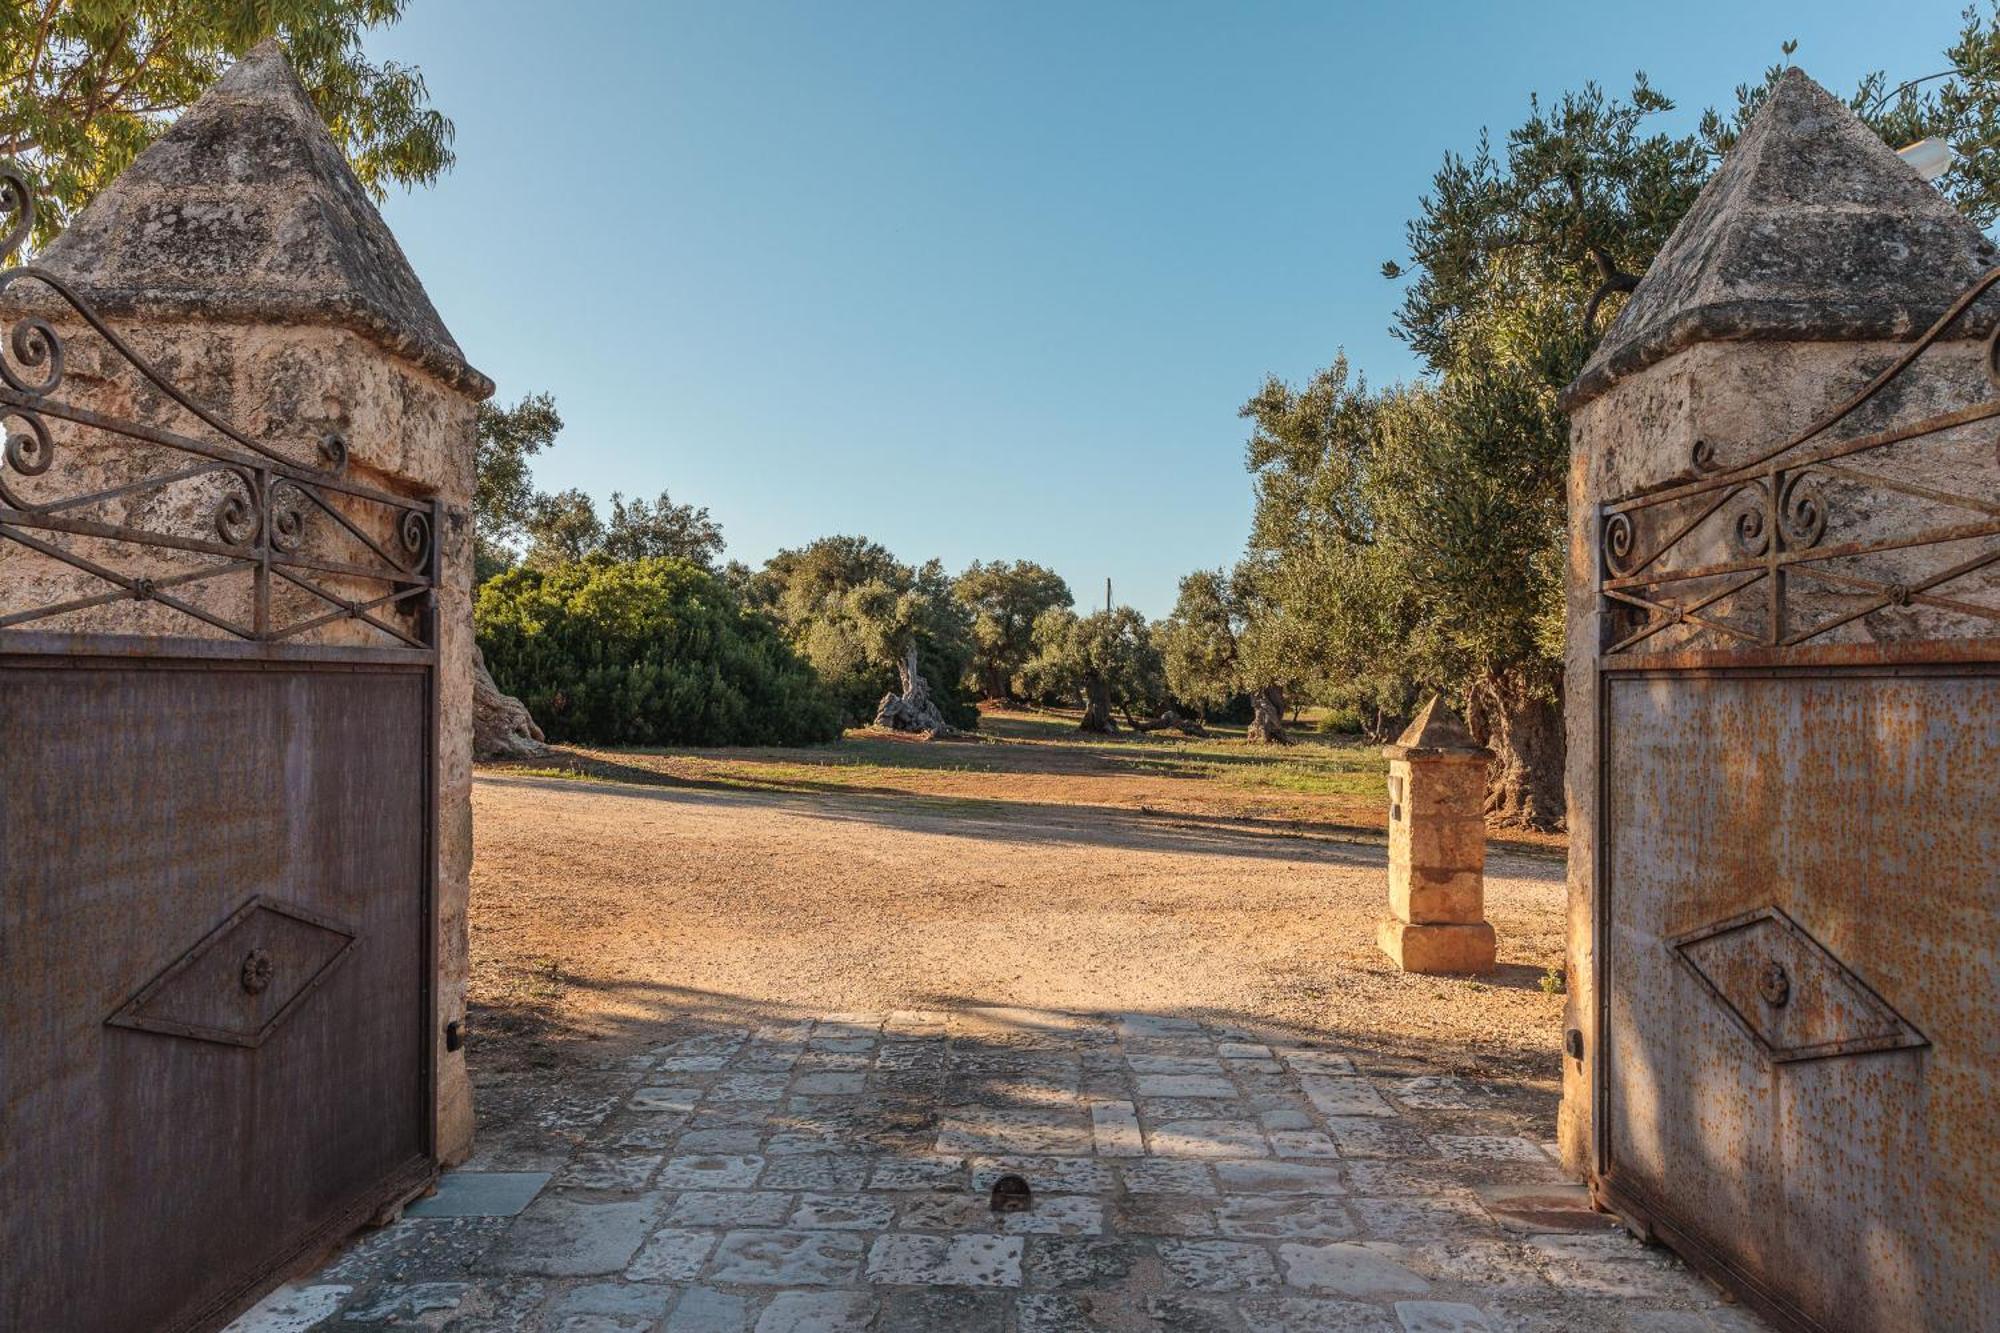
(503,490)
(564,526)
(1005,600)
(643,529)
(1413,536)
(1231,636)
(1198,643)
(85,86)
(1105,660)
(854,610)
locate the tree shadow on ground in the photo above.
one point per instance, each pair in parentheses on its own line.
(525,1052)
(1069,755)
(1038,822)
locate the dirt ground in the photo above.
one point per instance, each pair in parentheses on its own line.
(1031,867)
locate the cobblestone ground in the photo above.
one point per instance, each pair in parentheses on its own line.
(834,1176)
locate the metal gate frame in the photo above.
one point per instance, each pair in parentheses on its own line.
(60,652)
(1778,537)
(271,505)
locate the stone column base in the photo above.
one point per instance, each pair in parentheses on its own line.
(1437,948)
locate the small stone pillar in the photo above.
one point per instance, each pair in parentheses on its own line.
(1437,848)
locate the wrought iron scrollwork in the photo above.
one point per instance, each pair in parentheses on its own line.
(32,344)
(1752,531)
(30,452)
(315,546)
(1802,511)
(415,532)
(287,516)
(1778,507)
(239,520)
(1619,538)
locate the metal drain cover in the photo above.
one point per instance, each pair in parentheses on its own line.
(1012,1195)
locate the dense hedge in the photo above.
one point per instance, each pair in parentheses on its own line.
(647,652)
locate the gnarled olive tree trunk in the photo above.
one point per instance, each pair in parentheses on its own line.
(995,684)
(501,727)
(1097,707)
(912,710)
(1523,726)
(1267,715)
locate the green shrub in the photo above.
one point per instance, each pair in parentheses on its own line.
(647,652)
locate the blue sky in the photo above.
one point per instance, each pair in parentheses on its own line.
(986,280)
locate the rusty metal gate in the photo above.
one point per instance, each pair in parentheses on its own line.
(1797,971)
(217,733)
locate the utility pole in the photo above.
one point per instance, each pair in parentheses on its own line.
(1107,596)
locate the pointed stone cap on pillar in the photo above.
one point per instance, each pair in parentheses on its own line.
(246,209)
(1436,733)
(1812,229)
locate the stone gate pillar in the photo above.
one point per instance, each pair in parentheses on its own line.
(1437,848)
(242,258)
(1783,610)
(1804,268)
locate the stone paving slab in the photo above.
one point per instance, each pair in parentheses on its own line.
(481,1194)
(833,1176)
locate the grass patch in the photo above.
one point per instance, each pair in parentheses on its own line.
(1217,772)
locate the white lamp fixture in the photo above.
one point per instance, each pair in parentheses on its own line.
(1931,158)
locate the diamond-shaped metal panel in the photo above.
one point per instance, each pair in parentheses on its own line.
(243,979)
(1791,996)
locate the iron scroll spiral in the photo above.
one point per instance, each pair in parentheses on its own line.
(1802,511)
(33,344)
(1753,536)
(333,452)
(287,517)
(415,532)
(238,520)
(1618,541)
(27,453)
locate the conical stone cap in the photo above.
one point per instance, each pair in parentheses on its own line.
(246,209)
(1812,229)
(1436,733)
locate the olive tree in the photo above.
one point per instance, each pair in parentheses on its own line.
(503,493)
(564,526)
(1005,600)
(1104,660)
(1235,634)
(868,623)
